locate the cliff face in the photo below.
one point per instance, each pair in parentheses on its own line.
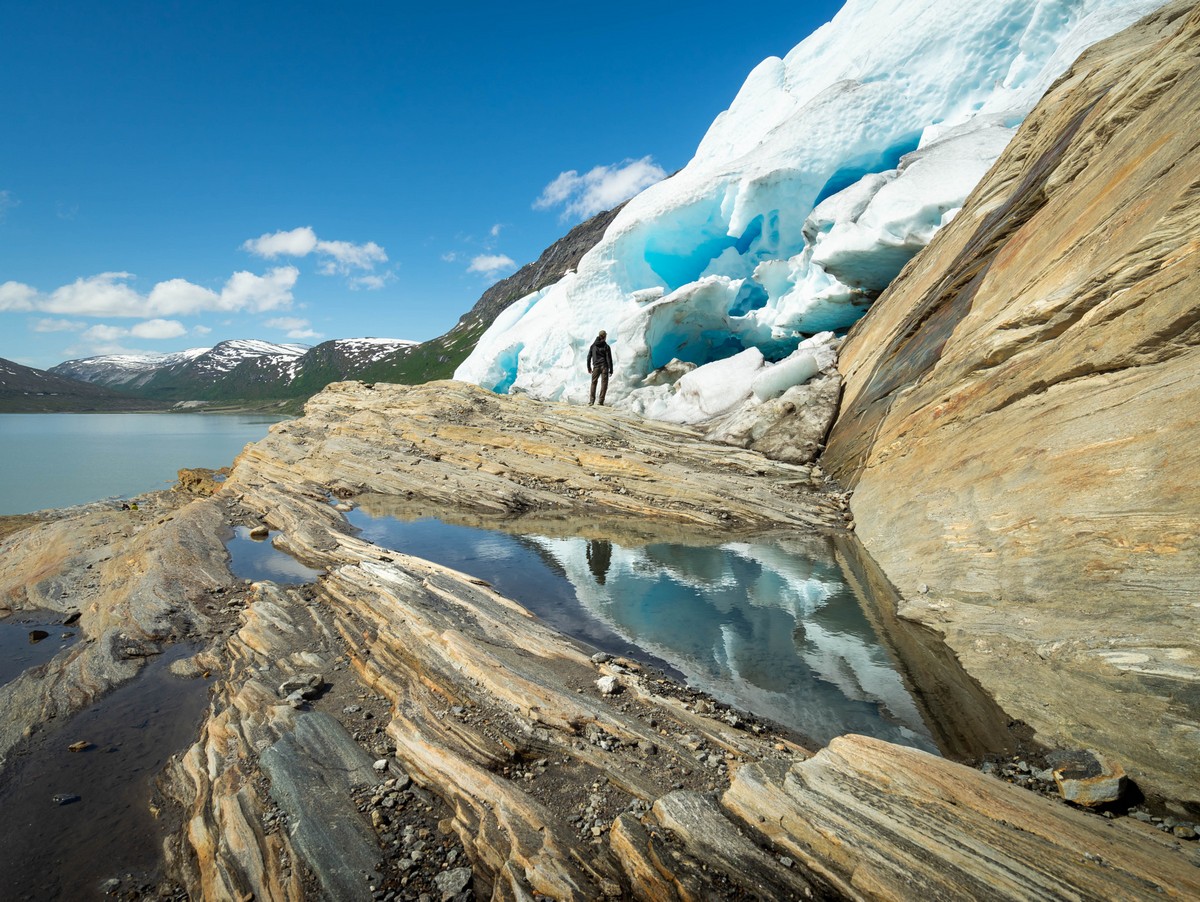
(1029,384)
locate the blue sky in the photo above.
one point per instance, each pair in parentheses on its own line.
(173,174)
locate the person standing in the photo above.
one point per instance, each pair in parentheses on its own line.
(600,365)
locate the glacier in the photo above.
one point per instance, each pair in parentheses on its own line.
(730,281)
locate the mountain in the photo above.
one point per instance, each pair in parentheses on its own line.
(26,390)
(194,374)
(831,169)
(257,371)
(439,357)
(125,371)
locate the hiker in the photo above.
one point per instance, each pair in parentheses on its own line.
(600,365)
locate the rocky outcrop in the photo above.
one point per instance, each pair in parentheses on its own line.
(457,446)
(546,770)
(1019,420)
(831,812)
(396,727)
(133,581)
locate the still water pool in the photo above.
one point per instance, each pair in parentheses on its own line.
(772,628)
(52,460)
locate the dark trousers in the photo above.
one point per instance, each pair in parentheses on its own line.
(601,375)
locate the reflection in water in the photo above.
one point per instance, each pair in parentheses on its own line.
(771,629)
(599,557)
(258,559)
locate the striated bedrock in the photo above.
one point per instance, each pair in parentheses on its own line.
(522,755)
(1030,381)
(453,445)
(445,737)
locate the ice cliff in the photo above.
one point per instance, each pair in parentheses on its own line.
(830,170)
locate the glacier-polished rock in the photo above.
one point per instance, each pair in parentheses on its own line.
(1031,383)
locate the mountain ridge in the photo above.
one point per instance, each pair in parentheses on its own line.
(256,371)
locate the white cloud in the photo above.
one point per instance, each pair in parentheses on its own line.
(177,297)
(7,202)
(153,329)
(372,282)
(602,188)
(296,243)
(246,291)
(104,334)
(450,257)
(158,329)
(494,231)
(200,330)
(110,294)
(294,327)
(345,256)
(59,325)
(16,297)
(337,257)
(492,265)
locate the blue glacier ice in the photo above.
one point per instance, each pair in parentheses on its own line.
(830,170)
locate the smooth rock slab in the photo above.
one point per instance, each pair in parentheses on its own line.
(880,821)
(312,771)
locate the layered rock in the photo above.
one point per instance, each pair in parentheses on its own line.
(136,579)
(559,775)
(444,740)
(1029,383)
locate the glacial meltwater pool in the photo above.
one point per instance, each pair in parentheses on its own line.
(773,628)
(74,819)
(258,559)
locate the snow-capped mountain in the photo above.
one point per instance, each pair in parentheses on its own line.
(831,169)
(228,355)
(24,389)
(135,370)
(244,369)
(122,370)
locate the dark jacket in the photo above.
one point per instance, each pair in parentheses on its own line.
(600,355)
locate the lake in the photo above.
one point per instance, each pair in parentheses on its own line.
(51,460)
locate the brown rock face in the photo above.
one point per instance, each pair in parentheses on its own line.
(1020,421)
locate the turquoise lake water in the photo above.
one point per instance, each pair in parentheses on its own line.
(59,459)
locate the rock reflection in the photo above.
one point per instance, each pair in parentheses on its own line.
(771,627)
(258,559)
